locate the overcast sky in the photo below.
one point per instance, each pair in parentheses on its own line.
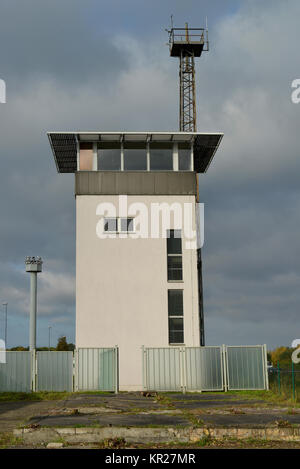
(103,65)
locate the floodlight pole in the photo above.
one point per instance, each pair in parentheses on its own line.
(33,266)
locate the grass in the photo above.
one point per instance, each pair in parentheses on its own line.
(272,396)
(205,442)
(8,440)
(33,396)
(42,395)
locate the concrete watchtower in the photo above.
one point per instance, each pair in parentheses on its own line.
(137,281)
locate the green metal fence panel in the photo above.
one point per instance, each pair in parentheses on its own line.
(204,369)
(15,374)
(54,371)
(163,369)
(246,367)
(97,369)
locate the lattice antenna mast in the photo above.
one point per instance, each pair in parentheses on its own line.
(187,43)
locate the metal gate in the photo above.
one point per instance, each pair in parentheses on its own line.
(54,371)
(246,367)
(97,369)
(162,369)
(205,368)
(15,373)
(183,369)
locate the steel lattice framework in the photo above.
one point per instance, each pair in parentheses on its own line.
(187,103)
(187,44)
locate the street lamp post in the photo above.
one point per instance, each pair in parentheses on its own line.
(33,266)
(5,333)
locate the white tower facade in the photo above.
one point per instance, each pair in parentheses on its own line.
(136,239)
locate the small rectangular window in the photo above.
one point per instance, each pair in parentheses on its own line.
(86,156)
(174,254)
(135,157)
(109,156)
(184,156)
(126,224)
(161,156)
(111,224)
(175,302)
(117,225)
(174,242)
(175,314)
(174,267)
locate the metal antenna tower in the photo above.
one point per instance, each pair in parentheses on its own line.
(188,43)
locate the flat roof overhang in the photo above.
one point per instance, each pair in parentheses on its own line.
(65,145)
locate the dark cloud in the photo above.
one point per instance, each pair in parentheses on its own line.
(56,39)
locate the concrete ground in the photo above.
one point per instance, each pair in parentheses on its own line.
(146,417)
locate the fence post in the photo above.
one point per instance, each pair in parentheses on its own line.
(293,381)
(73,371)
(184,370)
(223,364)
(266,367)
(278,377)
(33,370)
(76,370)
(116,369)
(181,369)
(143,368)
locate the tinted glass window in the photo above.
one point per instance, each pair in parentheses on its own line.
(109,157)
(174,242)
(175,302)
(184,157)
(126,224)
(135,157)
(174,267)
(176,331)
(161,157)
(110,224)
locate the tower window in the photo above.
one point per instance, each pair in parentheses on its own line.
(86,156)
(126,224)
(161,157)
(174,254)
(184,157)
(118,225)
(175,314)
(109,156)
(135,157)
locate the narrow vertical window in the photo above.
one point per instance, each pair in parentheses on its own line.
(175,313)
(174,253)
(109,156)
(184,156)
(86,156)
(161,156)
